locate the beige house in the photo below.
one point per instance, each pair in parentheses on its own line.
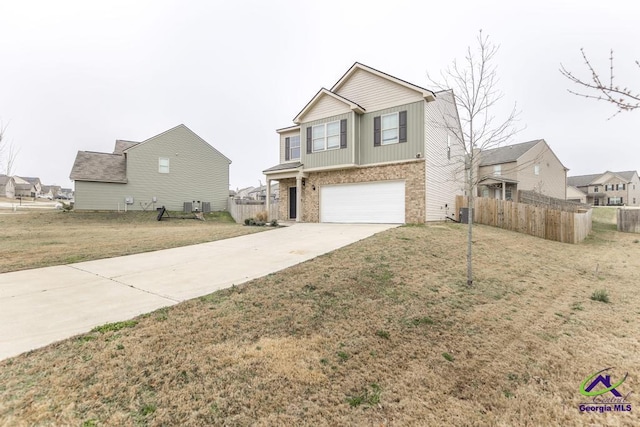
(531,166)
(609,188)
(575,195)
(7,186)
(169,169)
(27,187)
(372,149)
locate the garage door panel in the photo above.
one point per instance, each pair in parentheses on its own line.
(373,202)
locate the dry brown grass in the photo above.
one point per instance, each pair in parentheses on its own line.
(40,239)
(369,324)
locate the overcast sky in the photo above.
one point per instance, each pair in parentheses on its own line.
(77,75)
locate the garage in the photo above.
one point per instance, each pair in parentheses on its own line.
(370,202)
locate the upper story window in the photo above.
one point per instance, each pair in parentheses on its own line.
(390,128)
(497,170)
(595,189)
(163,165)
(292,148)
(536,170)
(326,136)
(620,187)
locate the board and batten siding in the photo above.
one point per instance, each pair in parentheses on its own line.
(324,107)
(368,154)
(197,172)
(283,137)
(333,157)
(375,93)
(444,170)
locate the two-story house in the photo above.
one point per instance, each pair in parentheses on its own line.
(176,169)
(372,149)
(609,188)
(531,166)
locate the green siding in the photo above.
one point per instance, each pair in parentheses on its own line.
(329,157)
(196,172)
(369,154)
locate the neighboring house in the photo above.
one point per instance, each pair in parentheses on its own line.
(243,193)
(260,193)
(35,182)
(66,192)
(169,169)
(372,149)
(24,188)
(575,195)
(50,191)
(531,166)
(609,188)
(7,186)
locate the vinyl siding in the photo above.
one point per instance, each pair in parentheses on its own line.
(552,180)
(444,171)
(332,157)
(285,135)
(375,93)
(368,154)
(324,107)
(507,170)
(196,172)
(634,191)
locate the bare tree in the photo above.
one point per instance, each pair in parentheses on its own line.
(602,90)
(8,153)
(474,82)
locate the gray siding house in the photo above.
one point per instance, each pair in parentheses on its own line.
(373,148)
(169,169)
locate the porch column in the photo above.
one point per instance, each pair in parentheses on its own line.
(298,198)
(269,199)
(504,191)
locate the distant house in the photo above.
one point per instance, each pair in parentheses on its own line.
(243,193)
(50,191)
(169,169)
(575,195)
(609,188)
(25,187)
(531,166)
(260,193)
(7,186)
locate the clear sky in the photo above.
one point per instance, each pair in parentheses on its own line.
(77,75)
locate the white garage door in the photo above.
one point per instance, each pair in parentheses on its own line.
(371,202)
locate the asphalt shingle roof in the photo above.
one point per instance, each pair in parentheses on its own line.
(507,154)
(99,167)
(122,145)
(284,166)
(584,180)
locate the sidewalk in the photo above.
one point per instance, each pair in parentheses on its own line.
(41,306)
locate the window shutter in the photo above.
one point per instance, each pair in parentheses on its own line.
(287,148)
(343,133)
(402,124)
(376,131)
(623,186)
(309,130)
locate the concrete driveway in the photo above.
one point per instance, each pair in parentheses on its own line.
(41,306)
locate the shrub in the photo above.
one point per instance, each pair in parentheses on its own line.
(274,222)
(262,216)
(600,295)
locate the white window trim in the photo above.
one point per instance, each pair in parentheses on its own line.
(497,170)
(397,128)
(291,147)
(325,138)
(536,169)
(161,166)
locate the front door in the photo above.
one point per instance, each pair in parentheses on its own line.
(293,197)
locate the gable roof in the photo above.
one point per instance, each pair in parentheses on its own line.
(324,92)
(173,129)
(31,180)
(5,178)
(99,167)
(582,180)
(426,93)
(122,145)
(506,154)
(585,180)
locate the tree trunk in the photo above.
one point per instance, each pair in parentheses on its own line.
(470,228)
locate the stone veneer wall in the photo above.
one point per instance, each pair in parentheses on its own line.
(412,172)
(283,205)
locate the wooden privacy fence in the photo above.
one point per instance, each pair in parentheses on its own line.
(539,221)
(242,210)
(629,220)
